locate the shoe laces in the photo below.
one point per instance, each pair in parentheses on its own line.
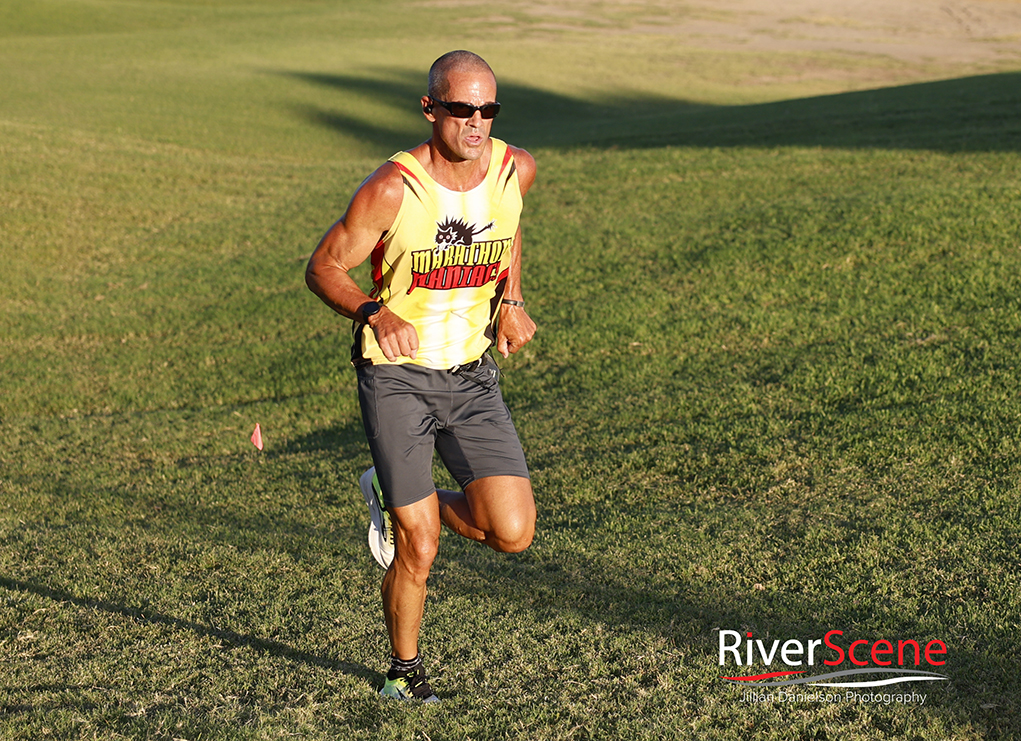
(418,683)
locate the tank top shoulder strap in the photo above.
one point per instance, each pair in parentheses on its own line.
(414,175)
(502,169)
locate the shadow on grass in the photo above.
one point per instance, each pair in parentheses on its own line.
(980,113)
(566,591)
(346,440)
(579,592)
(230,637)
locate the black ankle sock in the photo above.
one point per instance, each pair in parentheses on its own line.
(402,666)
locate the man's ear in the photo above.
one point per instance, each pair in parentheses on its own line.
(427,105)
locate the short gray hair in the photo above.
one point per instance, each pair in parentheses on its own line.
(453,61)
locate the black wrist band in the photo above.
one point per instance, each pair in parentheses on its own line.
(368,309)
(512,302)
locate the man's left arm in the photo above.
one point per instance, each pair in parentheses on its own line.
(516,328)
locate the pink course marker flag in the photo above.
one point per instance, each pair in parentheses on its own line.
(257,436)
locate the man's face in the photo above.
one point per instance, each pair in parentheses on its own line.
(465,138)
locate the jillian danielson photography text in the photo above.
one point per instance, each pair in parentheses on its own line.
(850,696)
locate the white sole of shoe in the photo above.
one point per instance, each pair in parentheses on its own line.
(378,546)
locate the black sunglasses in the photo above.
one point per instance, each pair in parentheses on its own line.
(466,110)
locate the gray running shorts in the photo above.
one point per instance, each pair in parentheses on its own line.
(409,411)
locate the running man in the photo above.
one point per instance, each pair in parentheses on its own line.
(440,225)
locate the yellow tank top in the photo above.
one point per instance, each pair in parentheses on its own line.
(443,264)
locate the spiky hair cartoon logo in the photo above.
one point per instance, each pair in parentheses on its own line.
(453,232)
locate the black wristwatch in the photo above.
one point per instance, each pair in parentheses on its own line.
(368,309)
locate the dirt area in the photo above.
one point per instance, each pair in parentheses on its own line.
(951,36)
(945,32)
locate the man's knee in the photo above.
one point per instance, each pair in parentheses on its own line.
(416,552)
(504,509)
(513,535)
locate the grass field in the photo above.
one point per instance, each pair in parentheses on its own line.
(774,389)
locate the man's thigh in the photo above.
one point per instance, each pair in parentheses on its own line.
(400,426)
(477,439)
(504,508)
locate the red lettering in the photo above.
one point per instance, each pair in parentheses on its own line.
(455,276)
(478,276)
(838,649)
(417,279)
(930,650)
(900,651)
(876,651)
(850,653)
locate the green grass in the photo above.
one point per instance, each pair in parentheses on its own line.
(773,389)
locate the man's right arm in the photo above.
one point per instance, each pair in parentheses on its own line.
(348,244)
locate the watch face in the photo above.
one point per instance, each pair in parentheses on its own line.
(369,309)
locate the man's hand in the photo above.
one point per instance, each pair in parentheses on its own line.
(396,337)
(515,331)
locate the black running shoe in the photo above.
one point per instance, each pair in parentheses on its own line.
(410,685)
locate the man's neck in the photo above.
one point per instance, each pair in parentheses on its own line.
(451,172)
